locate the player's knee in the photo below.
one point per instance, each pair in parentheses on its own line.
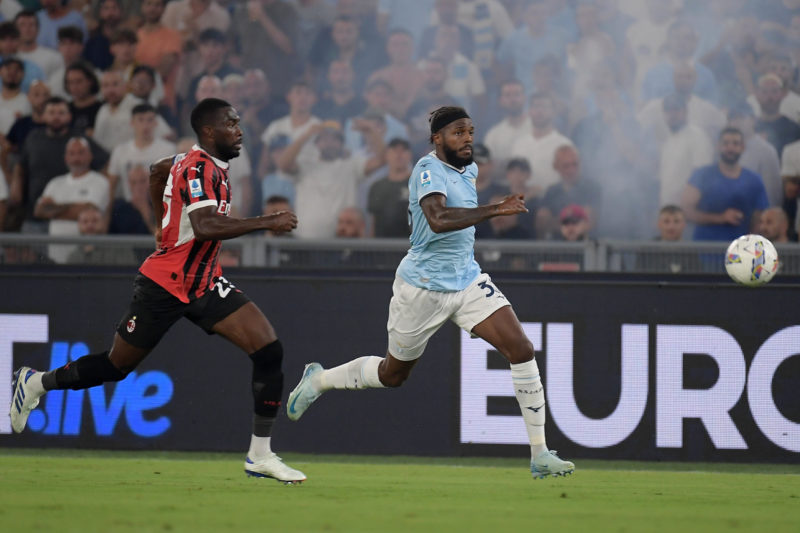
(393,379)
(521,351)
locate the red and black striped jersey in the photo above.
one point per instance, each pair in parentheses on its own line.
(182,265)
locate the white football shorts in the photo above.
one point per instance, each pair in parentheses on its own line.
(416,314)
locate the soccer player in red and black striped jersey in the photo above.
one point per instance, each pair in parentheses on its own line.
(183,278)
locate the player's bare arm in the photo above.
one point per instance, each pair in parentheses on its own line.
(208,225)
(442,218)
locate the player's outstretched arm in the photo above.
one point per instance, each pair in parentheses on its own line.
(442,218)
(210,226)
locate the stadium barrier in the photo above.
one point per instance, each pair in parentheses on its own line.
(384,254)
(656,368)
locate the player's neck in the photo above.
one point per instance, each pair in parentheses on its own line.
(211,151)
(730,171)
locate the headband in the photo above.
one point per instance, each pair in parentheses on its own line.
(444,118)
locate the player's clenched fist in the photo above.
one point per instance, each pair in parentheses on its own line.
(511,205)
(281,221)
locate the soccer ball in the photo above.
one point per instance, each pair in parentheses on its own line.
(751,260)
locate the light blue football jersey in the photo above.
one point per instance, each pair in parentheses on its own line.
(440,261)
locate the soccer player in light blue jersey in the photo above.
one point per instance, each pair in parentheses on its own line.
(439,280)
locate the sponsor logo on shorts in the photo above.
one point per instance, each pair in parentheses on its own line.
(425,178)
(131,324)
(195,189)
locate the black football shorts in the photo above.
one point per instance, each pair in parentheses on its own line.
(153,310)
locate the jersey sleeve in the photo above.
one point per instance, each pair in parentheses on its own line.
(199,190)
(430,179)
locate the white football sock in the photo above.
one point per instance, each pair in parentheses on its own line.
(361,373)
(530,395)
(35,383)
(260,448)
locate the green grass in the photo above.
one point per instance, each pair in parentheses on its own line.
(137,491)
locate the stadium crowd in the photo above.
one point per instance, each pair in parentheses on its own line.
(616,118)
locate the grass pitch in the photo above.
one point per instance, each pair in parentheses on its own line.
(118,491)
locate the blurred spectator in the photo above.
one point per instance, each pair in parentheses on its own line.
(447,14)
(402,74)
(133,214)
(9,9)
(593,47)
(340,102)
(143,147)
(265,35)
(781,65)
(313,16)
(486,183)
(671,223)
(90,222)
(42,159)
(790,172)
(20,128)
(681,47)
(112,124)
(540,145)
(431,96)
(326,183)
(12,98)
(233,90)
(464,79)
(65,196)
(759,155)
(778,129)
(648,36)
(344,42)
(550,78)
(531,42)
(159,47)
(516,123)
(260,108)
(622,159)
(143,86)
(276,182)
(700,112)
(572,189)
(508,227)
(733,59)
(774,225)
(350,224)
(3,199)
(301,99)
(685,149)
(574,224)
(387,203)
(192,17)
(82,86)
(378,96)
(213,48)
(9,48)
(724,200)
(209,86)
(490,24)
(276,204)
(70,46)
(54,15)
(98,46)
(46,59)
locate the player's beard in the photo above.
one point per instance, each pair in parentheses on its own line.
(227,152)
(454,159)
